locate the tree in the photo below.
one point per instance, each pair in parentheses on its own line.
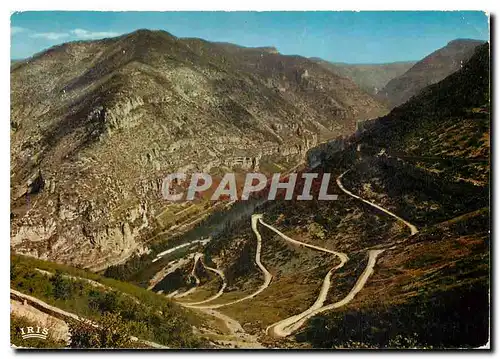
(104,302)
(62,287)
(110,331)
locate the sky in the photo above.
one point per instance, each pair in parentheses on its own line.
(351,37)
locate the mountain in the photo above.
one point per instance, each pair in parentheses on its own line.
(444,111)
(370,77)
(433,68)
(400,260)
(96,126)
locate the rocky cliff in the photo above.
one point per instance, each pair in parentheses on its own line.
(96,125)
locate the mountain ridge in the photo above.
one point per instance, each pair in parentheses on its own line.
(107,119)
(431,69)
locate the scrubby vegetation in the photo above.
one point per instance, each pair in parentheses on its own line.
(431,291)
(414,193)
(446,319)
(110,331)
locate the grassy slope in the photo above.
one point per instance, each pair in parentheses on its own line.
(431,290)
(151,316)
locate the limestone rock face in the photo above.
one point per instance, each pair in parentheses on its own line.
(97,125)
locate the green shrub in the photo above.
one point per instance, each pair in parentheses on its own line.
(62,288)
(111,332)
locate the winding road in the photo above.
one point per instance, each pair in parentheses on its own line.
(267,276)
(413,229)
(281,328)
(290,325)
(216,295)
(342,256)
(241,339)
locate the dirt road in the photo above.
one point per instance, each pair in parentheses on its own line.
(413,229)
(290,325)
(64,315)
(216,295)
(267,276)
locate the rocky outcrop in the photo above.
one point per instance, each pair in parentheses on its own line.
(324,150)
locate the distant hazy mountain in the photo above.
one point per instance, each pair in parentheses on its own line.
(428,71)
(370,77)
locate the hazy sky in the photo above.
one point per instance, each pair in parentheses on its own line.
(354,37)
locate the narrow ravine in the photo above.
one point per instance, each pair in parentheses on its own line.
(216,295)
